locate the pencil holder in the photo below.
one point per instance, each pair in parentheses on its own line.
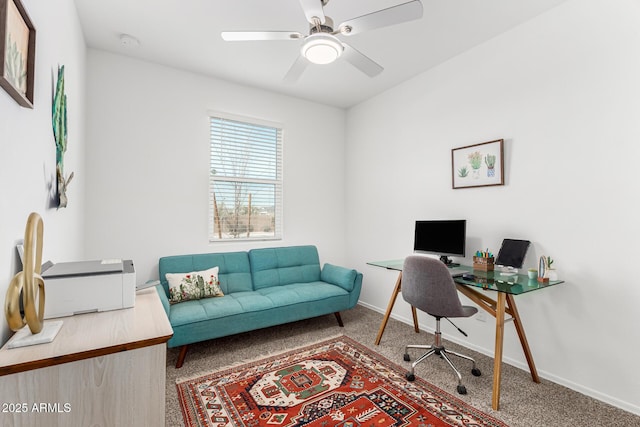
(483,263)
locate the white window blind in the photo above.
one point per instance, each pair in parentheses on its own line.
(245,182)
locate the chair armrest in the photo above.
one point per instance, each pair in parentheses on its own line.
(163,299)
(339,276)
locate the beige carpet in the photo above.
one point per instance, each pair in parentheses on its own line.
(522,403)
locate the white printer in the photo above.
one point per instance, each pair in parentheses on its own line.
(88,286)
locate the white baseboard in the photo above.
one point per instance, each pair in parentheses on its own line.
(629,407)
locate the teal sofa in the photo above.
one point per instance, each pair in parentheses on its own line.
(262,288)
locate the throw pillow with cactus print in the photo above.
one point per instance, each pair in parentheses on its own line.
(194,285)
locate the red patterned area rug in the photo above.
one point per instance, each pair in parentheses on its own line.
(337,382)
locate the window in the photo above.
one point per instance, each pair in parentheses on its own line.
(245,181)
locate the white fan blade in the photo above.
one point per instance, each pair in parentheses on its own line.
(313,9)
(235,36)
(296,69)
(361,61)
(383,18)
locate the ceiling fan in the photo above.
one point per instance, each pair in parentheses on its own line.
(322,46)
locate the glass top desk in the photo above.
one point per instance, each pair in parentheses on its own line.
(505,288)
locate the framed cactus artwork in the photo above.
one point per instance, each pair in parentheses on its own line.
(478,165)
(17,52)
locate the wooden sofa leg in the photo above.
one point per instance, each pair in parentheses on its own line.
(181,356)
(339,319)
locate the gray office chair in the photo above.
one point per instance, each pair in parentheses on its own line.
(427,285)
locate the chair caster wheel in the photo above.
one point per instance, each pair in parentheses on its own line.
(406,357)
(410,377)
(462,389)
(476,372)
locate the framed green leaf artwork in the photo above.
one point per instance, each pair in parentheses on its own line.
(17,52)
(478,165)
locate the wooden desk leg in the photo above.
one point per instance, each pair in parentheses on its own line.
(415,320)
(497,357)
(392,301)
(523,338)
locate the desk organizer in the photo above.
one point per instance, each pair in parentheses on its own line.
(482,263)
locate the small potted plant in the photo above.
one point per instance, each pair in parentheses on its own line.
(475,159)
(551,272)
(490,161)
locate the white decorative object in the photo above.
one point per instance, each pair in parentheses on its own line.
(542,269)
(24,337)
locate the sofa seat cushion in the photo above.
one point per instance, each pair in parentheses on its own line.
(251,302)
(301,292)
(202,310)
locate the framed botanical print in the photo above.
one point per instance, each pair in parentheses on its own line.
(478,165)
(17,52)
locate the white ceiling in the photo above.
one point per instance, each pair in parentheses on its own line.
(186,34)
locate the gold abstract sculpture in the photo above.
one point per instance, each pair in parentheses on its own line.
(29,281)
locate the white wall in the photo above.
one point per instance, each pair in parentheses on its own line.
(148,163)
(27,147)
(563,91)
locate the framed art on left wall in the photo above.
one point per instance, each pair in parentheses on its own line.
(17,52)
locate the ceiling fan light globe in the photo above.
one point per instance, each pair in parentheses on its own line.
(321,54)
(322,48)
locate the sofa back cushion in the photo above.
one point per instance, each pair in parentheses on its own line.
(283,266)
(234,271)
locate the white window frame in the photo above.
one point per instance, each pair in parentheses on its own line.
(241,227)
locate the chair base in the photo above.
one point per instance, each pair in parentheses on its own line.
(443,353)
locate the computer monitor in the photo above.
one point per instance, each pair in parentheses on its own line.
(512,253)
(441,237)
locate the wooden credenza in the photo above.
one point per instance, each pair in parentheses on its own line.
(103,369)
